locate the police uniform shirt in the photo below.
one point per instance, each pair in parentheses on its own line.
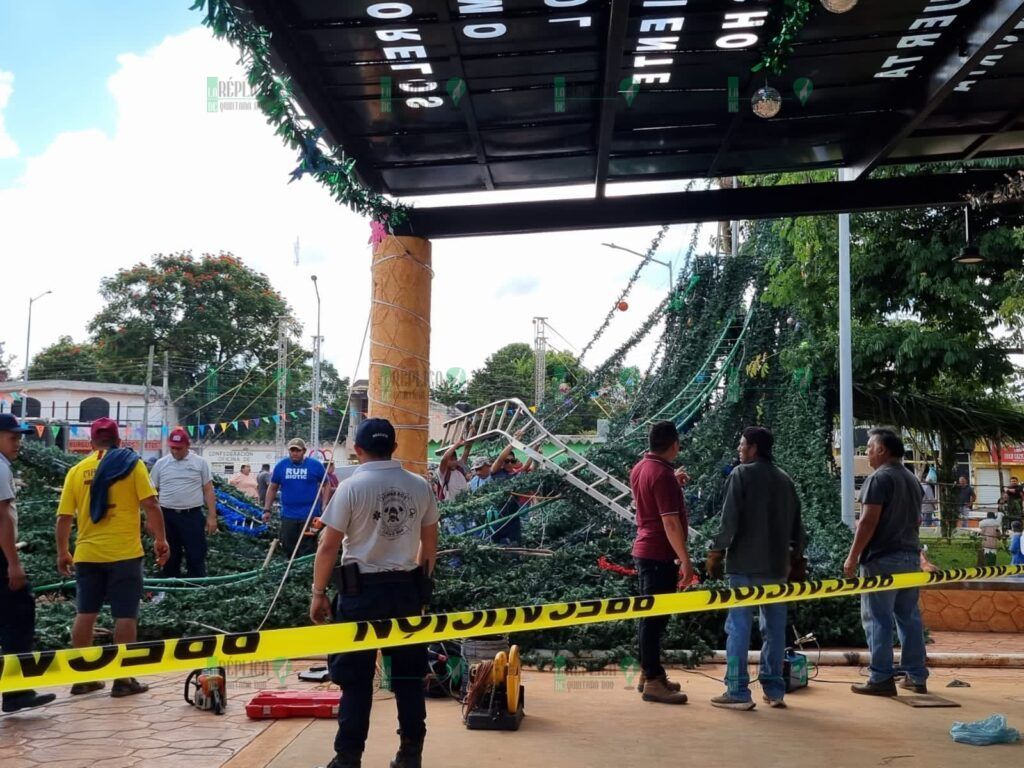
(381,509)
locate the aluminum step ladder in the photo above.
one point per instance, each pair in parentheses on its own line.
(511,421)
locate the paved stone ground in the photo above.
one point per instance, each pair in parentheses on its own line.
(159,730)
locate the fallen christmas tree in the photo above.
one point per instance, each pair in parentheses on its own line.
(565,534)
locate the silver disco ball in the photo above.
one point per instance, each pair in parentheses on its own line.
(766,102)
(838,6)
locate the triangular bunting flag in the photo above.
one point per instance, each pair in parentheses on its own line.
(212,428)
(55,430)
(223,426)
(276,418)
(246,422)
(164,430)
(40,428)
(256,421)
(235,425)
(292,414)
(191,430)
(302,410)
(202,429)
(16,395)
(330,410)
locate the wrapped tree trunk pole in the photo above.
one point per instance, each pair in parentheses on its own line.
(399,388)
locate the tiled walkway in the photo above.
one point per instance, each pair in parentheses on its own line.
(156,729)
(159,730)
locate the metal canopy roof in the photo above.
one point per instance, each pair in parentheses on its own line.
(437,96)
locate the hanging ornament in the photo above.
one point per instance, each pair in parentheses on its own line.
(838,6)
(766,102)
(790,320)
(563,387)
(622,306)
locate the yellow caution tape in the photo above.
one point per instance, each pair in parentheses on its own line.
(47,668)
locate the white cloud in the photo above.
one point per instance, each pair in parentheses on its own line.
(7,146)
(173,176)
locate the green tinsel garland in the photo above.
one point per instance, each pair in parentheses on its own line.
(776,53)
(330,166)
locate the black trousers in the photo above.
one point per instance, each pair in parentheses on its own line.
(657,577)
(17,617)
(291,532)
(186,534)
(406,667)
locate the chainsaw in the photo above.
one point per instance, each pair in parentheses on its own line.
(209,689)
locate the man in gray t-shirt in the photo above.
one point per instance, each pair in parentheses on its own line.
(887,543)
(17,605)
(385,519)
(184,483)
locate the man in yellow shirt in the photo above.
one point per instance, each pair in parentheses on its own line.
(101,497)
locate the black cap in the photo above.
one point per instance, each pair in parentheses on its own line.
(376,436)
(10,423)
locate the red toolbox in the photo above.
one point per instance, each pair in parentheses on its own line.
(277,704)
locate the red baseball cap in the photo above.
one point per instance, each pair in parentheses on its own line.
(104,428)
(178,437)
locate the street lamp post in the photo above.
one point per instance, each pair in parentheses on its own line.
(645,257)
(314,431)
(28,339)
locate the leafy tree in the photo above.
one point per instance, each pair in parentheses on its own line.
(509,373)
(208,311)
(925,328)
(451,389)
(65,359)
(5,364)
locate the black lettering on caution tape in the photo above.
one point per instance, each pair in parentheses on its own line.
(413,625)
(618,605)
(381,629)
(592,608)
(531,613)
(643,603)
(35,664)
(153,653)
(560,614)
(241,643)
(475,619)
(81,664)
(195,648)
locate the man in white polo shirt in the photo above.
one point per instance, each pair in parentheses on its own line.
(386,518)
(184,482)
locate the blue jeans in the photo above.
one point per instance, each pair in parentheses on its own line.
(878,611)
(738,624)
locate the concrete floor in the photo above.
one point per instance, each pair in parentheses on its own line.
(597,721)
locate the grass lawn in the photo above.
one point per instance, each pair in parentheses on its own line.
(961,552)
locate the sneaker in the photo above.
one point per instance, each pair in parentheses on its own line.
(910,685)
(657,690)
(672,686)
(127,686)
(14,702)
(726,701)
(79,688)
(883,688)
(774,703)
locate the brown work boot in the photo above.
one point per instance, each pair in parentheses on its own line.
(657,689)
(672,686)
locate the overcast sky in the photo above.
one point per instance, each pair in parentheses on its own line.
(108,155)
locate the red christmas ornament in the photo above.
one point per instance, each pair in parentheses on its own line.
(622,306)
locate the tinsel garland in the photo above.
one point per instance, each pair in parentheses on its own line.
(273,92)
(775,56)
(651,250)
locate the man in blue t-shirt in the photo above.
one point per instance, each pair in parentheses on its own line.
(303,487)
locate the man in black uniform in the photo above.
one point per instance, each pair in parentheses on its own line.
(387,519)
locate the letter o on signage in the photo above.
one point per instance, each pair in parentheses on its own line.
(484,31)
(389,10)
(739,40)
(419,85)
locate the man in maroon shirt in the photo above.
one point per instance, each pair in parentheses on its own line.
(660,544)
